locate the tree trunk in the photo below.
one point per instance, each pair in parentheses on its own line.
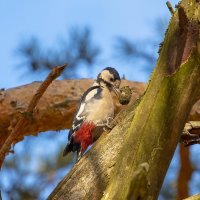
(131,161)
(164,109)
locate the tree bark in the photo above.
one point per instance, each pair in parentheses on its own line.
(148,133)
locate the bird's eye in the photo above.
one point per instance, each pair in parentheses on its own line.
(111,79)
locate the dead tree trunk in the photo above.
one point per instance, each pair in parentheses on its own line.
(135,167)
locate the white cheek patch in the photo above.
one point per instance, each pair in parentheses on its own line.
(105,74)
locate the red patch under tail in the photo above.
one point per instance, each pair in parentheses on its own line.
(84,135)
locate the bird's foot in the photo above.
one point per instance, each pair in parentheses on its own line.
(108,125)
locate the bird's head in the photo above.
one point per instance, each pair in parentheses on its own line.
(110,78)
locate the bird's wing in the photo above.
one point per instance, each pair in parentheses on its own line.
(81,114)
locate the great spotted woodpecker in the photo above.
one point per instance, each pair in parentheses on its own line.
(95,112)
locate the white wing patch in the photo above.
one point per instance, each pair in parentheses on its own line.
(80,111)
(88,97)
(91,94)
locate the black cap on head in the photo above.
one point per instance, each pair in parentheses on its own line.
(114,72)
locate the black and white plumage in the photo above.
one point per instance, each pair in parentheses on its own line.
(95,111)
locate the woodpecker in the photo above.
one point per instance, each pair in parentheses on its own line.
(95,112)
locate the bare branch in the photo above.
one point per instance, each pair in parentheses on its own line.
(56,71)
(54,111)
(169,5)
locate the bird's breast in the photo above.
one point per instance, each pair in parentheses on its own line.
(101,110)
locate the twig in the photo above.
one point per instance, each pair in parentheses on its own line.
(55,72)
(189,135)
(192,142)
(169,5)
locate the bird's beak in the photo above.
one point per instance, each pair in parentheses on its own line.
(117,91)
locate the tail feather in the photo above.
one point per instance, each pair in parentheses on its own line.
(66,150)
(69,147)
(79,155)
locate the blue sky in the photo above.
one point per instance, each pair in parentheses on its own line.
(50,19)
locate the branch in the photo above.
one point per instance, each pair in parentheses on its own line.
(191,133)
(56,71)
(169,5)
(55,109)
